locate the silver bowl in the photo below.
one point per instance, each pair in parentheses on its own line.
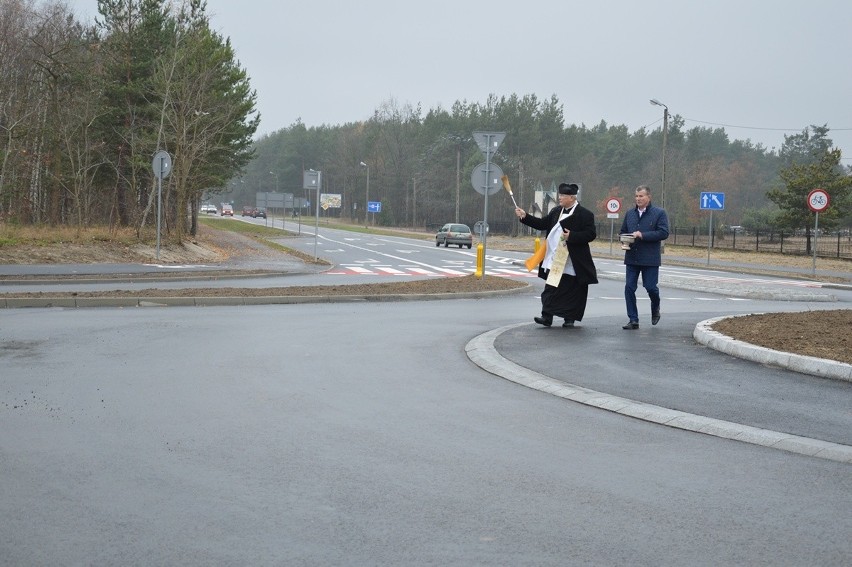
(626,240)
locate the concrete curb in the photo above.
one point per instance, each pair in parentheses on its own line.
(192,301)
(706,336)
(480,350)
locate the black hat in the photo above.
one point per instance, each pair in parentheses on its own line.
(568,188)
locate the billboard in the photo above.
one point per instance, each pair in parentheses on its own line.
(330,201)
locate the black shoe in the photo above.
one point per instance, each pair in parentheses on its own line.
(546,321)
(655,318)
(631,325)
(568,324)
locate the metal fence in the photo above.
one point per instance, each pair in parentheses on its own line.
(834,245)
(837,245)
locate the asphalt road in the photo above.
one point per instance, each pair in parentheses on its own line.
(361,434)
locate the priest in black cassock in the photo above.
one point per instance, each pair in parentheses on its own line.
(567,266)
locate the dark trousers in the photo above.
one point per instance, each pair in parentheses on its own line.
(650,278)
(567,301)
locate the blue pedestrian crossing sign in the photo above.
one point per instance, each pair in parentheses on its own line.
(712,201)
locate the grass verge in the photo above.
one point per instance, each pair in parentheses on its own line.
(262,233)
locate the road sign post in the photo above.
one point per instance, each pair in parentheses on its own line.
(710,201)
(162,166)
(613,205)
(818,201)
(488,143)
(312,180)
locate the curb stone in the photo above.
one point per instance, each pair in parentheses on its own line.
(481,351)
(705,335)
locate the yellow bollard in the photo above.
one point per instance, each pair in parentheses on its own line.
(537,257)
(480,260)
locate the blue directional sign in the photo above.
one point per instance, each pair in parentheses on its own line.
(712,201)
(374,207)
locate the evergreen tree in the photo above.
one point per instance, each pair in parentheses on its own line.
(800,179)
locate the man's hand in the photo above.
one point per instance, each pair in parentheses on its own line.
(520,213)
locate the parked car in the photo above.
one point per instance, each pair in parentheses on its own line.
(227,210)
(209,209)
(452,233)
(249,212)
(260,213)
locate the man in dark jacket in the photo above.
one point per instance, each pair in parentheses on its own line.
(567,266)
(649,225)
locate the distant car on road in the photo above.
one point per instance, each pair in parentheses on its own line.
(249,212)
(209,209)
(453,233)
(260,213)
(227,210)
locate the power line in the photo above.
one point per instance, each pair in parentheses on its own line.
(762,128)
(753,128)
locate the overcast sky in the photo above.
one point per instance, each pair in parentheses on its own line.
(759,68)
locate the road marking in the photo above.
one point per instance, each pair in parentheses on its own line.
(451,272)
(360,270)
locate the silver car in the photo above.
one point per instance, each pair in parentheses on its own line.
(452,233)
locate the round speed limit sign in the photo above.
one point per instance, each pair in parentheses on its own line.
(613,205)
(818,200)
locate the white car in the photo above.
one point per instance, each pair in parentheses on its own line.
(209,209)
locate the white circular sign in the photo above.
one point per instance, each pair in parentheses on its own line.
(492,182)
(613,205)
(162,164)
(818,200)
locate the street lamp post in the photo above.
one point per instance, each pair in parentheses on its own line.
(367,197)
(458,140)
(665,139)
(458,177)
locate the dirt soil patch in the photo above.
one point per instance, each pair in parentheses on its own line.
(822,334)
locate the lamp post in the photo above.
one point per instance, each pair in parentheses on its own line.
(655,102)
(367,197)
(458,140)
(458,177)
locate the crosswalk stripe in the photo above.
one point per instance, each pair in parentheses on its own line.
(422,272)
(393,271)
(437,272)
(359,270)
(451,272)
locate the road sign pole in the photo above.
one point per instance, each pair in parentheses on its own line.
(488,143)
(816,235)
(611,234)
(612,206)
(316,225)
(710,237)
(485,212)
(162,166)
(818,200)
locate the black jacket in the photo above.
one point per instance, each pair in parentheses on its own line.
(582,227)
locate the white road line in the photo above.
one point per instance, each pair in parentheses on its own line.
(359,269)
(392,271)
(451,272)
